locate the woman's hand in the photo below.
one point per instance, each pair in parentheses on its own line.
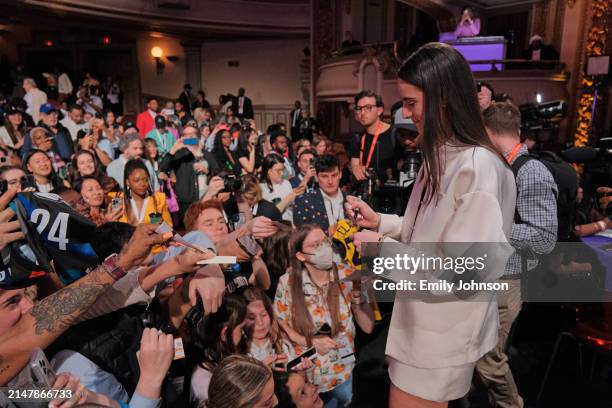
(365,236)
(178,145)
(154,358)
(113,215)
(163,176)
(324,344)
(8,196)
(200,168)
(188,259)
(299,190)
(274,361)
(261,227)
(73,388)
(215,186)
(210,289)
(366,216)
(305,364)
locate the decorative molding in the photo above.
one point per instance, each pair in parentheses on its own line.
(596,38)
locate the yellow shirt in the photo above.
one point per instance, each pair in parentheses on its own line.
(153,204)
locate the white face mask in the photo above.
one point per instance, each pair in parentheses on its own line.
(322,256)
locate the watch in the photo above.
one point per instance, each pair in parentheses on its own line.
(114,270)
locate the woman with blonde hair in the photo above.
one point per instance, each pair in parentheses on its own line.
(241,382)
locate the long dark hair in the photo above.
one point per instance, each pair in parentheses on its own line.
(12,132)
(75,177)
(451,110)
(210,347)
(276,256)
(130,167)
(268,162)
(54,179)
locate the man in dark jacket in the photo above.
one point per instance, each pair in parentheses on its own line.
(242,105)
(62,141)
(325,206)
(188,169)
(186,99)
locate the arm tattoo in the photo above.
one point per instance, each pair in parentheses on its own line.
(58,311)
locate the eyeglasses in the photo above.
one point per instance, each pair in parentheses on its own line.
(364,108)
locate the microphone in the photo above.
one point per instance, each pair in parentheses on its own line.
(580,154)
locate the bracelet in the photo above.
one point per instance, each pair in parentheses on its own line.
(378,222)
(357,300)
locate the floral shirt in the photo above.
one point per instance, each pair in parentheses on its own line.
(335,367)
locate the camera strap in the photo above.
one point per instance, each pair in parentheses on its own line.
(372,146)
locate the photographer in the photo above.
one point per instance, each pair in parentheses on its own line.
(325,205)
(307,172)
(276,189)
(374,149)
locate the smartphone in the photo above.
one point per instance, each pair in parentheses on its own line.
(27,182)
(116,203)
(42,373)
(324,330)
(311,353)
(250,246)
(190,141)
(3,186)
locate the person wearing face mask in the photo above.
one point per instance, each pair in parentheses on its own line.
(317,310)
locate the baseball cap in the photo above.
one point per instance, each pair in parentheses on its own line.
(11,110)
(47,108)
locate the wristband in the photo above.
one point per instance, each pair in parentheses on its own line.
(357,300)
(601,225)
(114,270)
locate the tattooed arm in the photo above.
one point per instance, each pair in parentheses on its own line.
(49,318)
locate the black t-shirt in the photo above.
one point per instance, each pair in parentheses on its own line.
(386,152)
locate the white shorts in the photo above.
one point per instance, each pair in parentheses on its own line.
(433,384)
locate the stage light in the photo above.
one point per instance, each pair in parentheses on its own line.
(48,43)
(106,40)
(539,98)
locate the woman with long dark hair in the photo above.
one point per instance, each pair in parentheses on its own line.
(316,309)
(464,192)
(13,133)
(226,159)
(249,154)
(140,204)
(85,164)
(276,189)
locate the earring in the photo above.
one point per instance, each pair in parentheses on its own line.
(128,193)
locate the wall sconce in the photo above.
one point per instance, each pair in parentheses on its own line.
(158,53)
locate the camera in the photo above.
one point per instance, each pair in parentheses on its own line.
(231,183)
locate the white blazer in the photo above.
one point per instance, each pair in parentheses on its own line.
(475,203)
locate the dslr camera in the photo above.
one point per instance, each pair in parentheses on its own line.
(231,183)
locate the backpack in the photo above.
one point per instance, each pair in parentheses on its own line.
(566,179)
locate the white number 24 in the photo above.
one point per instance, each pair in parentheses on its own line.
(58,230)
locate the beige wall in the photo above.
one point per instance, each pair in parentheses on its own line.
(269,70)
(170,83)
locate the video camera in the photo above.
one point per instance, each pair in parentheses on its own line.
(536,116)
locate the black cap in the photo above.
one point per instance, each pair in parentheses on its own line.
(160,122)
(11,110)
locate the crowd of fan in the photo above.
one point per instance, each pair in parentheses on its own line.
(265,197)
